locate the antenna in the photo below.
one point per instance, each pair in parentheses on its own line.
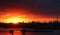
(56,19)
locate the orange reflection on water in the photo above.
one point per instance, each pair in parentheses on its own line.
(17,33)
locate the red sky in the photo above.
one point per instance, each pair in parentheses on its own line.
(13,15)
(29,10)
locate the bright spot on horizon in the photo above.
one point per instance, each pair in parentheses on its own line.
(15,16)
(13,20)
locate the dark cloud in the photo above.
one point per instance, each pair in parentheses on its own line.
(45,7)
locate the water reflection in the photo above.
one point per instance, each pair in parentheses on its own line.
(26,33)
(17,33)
(20,33)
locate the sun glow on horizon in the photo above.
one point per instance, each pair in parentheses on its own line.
(15,16)
(16,19)
(13,20)
(20,18)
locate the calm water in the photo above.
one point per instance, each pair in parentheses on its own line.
(6,32)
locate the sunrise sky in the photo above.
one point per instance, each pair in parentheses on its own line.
(29,10)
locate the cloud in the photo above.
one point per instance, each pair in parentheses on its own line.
(45,7)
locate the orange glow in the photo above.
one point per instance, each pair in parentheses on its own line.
(15,16)
(13,20)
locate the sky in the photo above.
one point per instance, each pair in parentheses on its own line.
(30,10)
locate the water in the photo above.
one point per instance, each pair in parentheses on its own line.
(6,32)
(20,33)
